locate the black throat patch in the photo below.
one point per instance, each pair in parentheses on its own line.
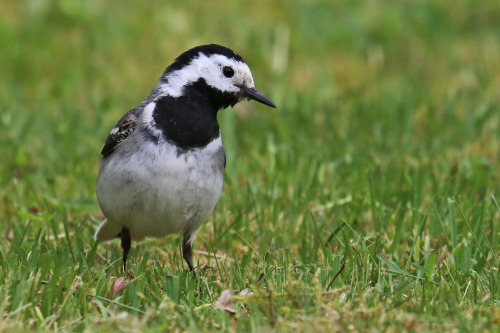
(190,120)
(187,122)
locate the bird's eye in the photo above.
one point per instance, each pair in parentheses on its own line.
(227,71)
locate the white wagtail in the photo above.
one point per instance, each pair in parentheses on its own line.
(163,163)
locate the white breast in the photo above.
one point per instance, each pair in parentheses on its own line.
(156,190)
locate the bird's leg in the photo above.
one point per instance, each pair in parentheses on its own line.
(126,242)
(187,251)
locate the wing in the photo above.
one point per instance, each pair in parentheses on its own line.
(124,127)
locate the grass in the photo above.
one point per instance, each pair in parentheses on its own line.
(368,201)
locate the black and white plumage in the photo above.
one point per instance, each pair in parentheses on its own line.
(163,163)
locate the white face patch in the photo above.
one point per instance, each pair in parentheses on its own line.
(210,69)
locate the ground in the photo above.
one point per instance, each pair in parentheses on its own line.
(367,201)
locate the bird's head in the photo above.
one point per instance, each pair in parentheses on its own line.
(213,71)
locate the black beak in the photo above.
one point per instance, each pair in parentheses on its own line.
(252,93)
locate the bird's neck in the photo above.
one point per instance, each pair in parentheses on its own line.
(188,121)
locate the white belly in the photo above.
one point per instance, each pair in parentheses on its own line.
(156,191)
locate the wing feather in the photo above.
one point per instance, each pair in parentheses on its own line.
(123,128)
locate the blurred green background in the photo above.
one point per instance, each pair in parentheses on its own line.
(371,84)
(388,113)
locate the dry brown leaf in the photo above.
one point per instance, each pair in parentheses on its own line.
(224,302)
(244,292)
(120,283)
